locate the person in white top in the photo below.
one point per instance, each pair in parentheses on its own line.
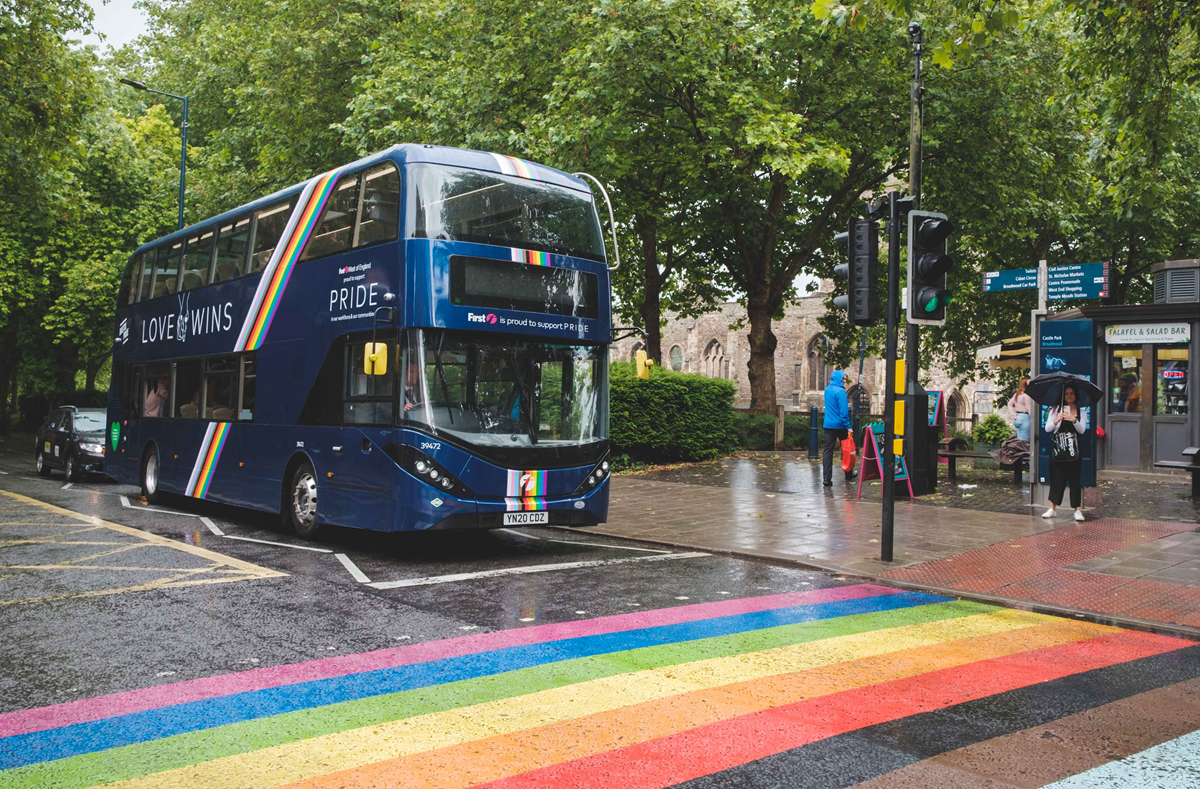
(1020,406)
(1064,472)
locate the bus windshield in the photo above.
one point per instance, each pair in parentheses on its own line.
(457,204)
(505,392)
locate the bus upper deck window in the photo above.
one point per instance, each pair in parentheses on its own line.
(271,222)
(233,242)
(147,276)
(197,257)
(128,292)
(333,233)
(167,270)
(379,209)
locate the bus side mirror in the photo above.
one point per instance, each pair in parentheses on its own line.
(375,358)
(643,365)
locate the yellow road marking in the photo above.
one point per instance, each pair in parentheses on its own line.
(220,568)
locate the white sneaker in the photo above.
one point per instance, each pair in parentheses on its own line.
(1048,513)
(1079,516)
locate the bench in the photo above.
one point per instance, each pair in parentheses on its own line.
(1192,465)
(953,456)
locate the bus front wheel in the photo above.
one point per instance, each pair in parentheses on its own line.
(150,477)
(302,502)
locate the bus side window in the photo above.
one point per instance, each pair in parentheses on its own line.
(334,231)
(197,258)
(133,392)
(147,275)
(249,380)
(269,225)
(220,388)
(379,209)
(156,392)
(167,270)
(232,245)
(367,399)
(128,292)
(187,389)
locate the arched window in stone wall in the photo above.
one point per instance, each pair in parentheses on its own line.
(818,370)
(637,346)
(864,401)
(957,417)
(715,365)
(676,357)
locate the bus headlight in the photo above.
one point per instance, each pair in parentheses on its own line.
(594,478)
(428,470)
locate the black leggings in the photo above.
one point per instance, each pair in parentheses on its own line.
(1060,475)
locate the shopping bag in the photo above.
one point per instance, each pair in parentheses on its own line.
(848,449)
(1065,446)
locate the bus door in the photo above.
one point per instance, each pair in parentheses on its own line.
(358,478)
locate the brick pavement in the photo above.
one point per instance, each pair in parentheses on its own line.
(1129,569)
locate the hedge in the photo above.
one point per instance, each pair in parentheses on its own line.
(671,417)
(757,431)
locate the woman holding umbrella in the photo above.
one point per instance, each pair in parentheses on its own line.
(1066,423)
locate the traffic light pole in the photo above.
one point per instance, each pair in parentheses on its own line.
(912,345)
(889,399)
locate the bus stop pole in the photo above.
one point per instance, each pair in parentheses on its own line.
(1035,354)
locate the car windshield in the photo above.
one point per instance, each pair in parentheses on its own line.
(457,204)
(505,392)
(89,421)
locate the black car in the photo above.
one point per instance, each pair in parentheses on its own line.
(71,439)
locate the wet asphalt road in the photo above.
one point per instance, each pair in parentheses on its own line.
(625,664)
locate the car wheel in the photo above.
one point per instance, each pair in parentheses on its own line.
(150,477)
(302,502)
(43,468)
(71,469)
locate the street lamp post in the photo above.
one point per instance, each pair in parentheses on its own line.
(183,134)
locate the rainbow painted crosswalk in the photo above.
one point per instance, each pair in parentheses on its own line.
(734,693)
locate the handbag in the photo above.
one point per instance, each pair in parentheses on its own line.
(1065,447)
(848,449)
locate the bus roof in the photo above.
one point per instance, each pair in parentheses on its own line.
(407,153)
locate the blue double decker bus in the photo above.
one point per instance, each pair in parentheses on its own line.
(418,340)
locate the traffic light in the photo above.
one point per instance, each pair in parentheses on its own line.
(928,265)
(861,301)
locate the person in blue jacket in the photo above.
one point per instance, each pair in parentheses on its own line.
(837,424)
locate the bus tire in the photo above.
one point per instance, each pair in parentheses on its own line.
(151,476)
(302,501)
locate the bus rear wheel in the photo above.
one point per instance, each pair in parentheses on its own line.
(302,501)
(150,477)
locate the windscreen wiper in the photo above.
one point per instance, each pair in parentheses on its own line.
(441,371)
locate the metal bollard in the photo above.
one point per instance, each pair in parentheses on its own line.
(813,435)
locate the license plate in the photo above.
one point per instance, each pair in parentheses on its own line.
(525,518)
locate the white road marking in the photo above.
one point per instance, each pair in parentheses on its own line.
(280,544)
(67,486)
(520,534)
(352,568)
(602,545)
(537,568)
(125,503)
(5,473)
(212,527)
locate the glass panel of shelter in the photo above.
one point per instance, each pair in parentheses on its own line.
(1126,377)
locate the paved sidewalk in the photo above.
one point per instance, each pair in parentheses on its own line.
(1130,569)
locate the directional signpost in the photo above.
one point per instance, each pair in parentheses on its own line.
(1086,281)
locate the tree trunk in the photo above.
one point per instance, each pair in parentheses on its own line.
(90,380)
(4,410)
(761,367)
(651,307)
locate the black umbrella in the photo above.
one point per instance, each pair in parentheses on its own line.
(1048,389)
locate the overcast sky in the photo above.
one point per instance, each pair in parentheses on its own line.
(118,21)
